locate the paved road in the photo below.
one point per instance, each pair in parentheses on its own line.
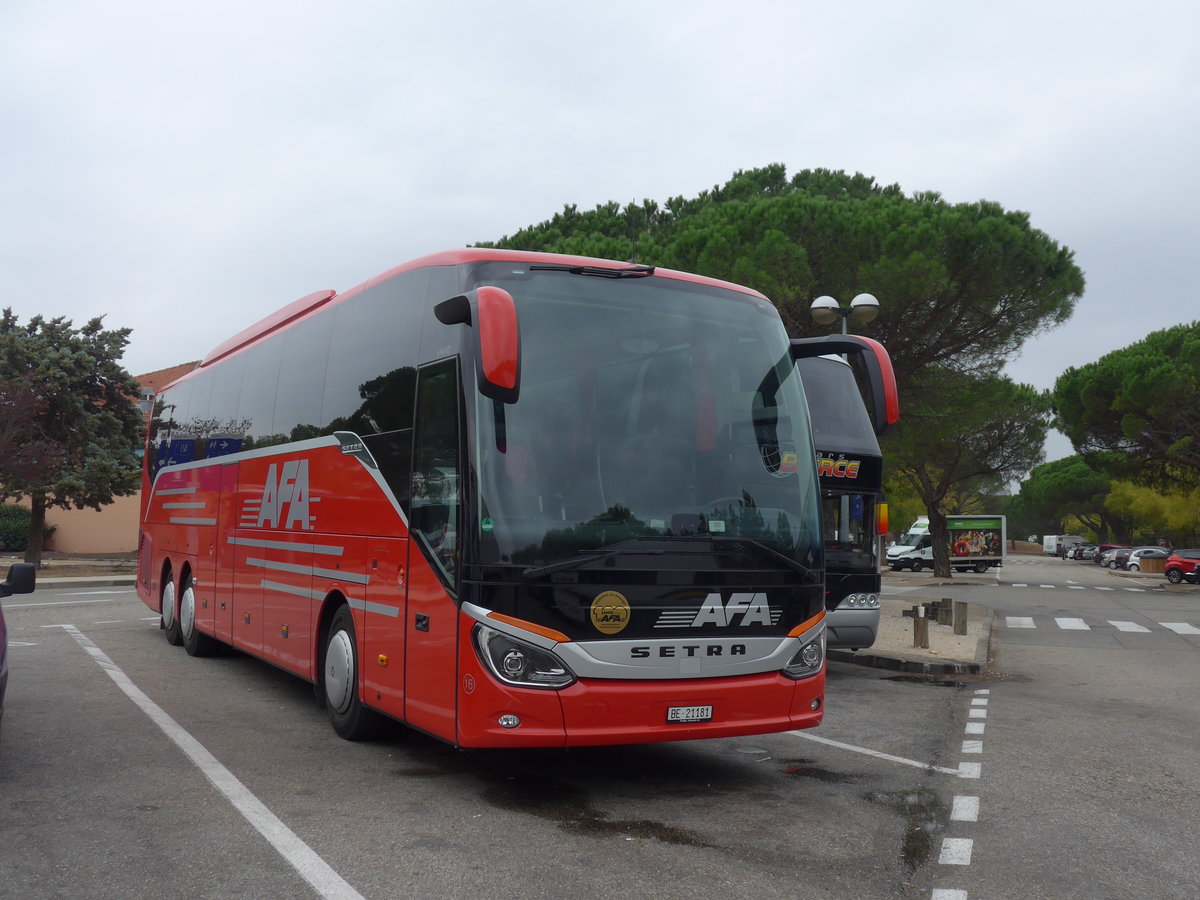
(1090,742)
(128,769)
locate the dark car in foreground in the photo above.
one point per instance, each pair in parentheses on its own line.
(1183,565)
(21,579)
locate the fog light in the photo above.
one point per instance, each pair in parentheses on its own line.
(508,720)
(816,704)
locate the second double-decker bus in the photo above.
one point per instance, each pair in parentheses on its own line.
(509,499)
(850,474)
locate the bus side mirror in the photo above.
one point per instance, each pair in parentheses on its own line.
(497,338)
(22,578)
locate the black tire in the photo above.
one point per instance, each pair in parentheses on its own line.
(1174,576)
(170,611)
(916,565)
(339,681)
(195,642)
(981,567)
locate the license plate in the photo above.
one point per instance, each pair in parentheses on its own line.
(689,713)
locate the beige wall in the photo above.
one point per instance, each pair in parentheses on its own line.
(114,529)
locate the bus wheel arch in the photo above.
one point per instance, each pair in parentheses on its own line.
(339,674)
(169,605)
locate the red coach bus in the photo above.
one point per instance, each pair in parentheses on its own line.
(508,499)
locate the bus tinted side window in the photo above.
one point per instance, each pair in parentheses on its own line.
(436,497)
(302,379)
(256,404)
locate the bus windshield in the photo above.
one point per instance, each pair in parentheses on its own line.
(651,410)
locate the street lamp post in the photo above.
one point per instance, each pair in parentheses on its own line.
(825,310)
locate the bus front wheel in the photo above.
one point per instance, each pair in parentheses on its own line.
(170,620)
(339,681)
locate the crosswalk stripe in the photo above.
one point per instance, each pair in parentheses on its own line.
(1128,626)
(1180,627)
(1069,624)
(1020,622)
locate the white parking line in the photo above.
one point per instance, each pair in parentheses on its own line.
(965,809)
(312,868)
(875,753)
(956,851)
(58,603)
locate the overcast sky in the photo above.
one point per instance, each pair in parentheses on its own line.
(184,170)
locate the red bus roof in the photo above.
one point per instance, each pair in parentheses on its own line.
(308,305)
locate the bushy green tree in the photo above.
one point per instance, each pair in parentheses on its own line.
(966,430)
(1072,487)
(960,285)
(86,413)
(1140,402)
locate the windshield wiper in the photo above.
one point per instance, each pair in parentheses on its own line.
(763,550)
(632,271)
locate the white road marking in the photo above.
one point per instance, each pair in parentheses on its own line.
(57,603)
(979,701)
(965,809)
(1129,626)
(969,770)
(956,851)
(977,713)
(947,894)
(917,764)
(975,728)
(1181,627)
(1069,624)
(1050,586)
(1135,590)
(1076,587)
(1019,622)
(972,747)
(1105,589)
(318,873)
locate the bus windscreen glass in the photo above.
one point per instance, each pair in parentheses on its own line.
(641,418)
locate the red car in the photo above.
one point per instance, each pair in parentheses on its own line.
(1183,565)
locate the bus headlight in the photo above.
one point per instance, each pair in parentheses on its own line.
(809,659)
(518,663)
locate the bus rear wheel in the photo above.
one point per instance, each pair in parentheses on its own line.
(339,682)
(170,620)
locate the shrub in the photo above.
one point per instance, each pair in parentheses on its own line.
(14,527)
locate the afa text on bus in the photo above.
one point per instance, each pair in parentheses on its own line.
(509,499)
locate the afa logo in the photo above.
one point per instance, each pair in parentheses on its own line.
(285,498)
(610,612)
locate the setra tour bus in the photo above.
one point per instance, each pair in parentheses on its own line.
(508,499)
(850,475)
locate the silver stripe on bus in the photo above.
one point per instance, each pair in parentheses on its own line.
(331,574)
(198,505)
(392,612)
(281,588)
(183,490)
(191,520)
(262,544)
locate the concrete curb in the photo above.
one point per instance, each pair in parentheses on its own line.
(67,581)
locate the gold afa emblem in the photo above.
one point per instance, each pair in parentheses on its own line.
(610,612)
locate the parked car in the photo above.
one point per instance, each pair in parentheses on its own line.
(1114,557)
(1083,551)
(1183,565)
(1104,553)
(1133,563)
(21,578)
